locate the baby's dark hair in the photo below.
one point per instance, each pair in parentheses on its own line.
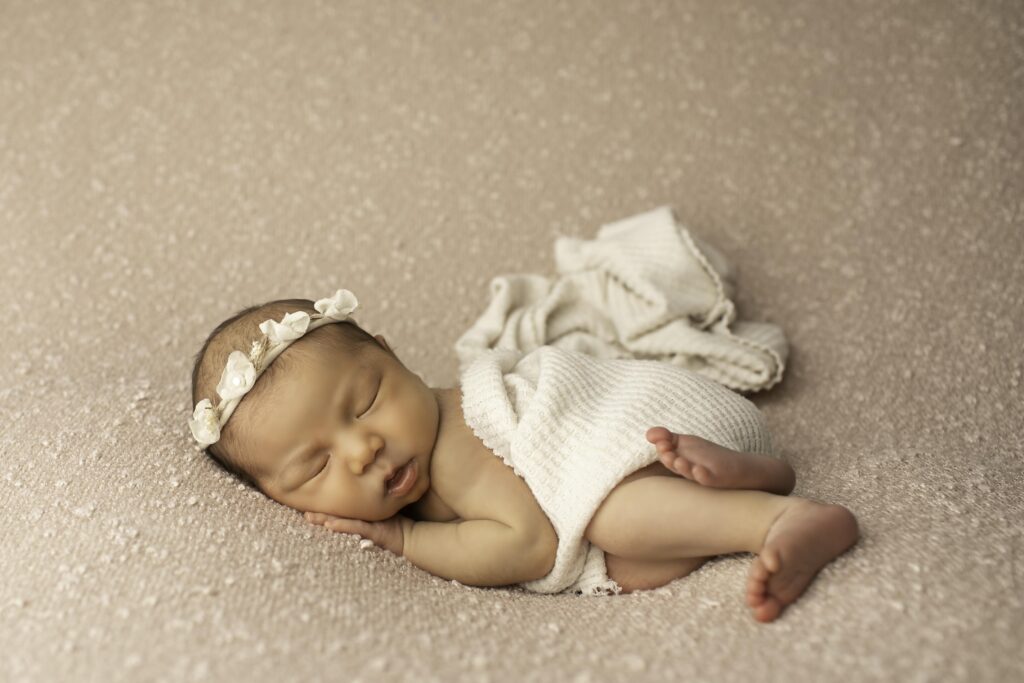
(237,333)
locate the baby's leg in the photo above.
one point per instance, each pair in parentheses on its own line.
(710,464)
(664,518)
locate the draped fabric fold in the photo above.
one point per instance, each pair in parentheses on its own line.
(644,288)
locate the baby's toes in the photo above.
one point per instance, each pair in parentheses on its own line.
(655,434)
(677,464)
(757,583)
(702,475)
(769,610)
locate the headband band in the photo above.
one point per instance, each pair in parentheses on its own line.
(241,371)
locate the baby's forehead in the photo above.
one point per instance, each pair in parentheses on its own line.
(317,358)
(323,366)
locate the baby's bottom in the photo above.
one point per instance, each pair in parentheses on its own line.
(641,575)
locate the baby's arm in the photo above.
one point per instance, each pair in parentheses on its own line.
(475,552)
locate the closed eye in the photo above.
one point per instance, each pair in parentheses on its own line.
(322,468)
(374,402)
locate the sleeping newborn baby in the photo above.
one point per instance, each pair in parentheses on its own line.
(552,470)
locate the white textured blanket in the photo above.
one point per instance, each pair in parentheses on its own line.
(644,288)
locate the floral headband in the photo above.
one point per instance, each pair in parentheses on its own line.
(242,371)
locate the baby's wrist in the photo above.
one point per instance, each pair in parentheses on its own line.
(407,525)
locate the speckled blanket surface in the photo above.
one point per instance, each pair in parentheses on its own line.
(165,163)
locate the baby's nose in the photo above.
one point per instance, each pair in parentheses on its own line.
(363,456)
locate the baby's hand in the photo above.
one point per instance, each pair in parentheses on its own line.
(389,534)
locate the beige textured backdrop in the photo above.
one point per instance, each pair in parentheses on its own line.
(163,164)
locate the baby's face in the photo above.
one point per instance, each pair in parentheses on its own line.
(338,426)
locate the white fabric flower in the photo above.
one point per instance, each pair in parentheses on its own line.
(205,423)
(238,377)
(338,306)
(292,326)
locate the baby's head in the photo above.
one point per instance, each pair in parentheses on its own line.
(327,421)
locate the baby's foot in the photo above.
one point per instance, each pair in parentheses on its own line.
(709,464)
(803,539)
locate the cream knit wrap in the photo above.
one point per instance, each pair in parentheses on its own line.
(562,378)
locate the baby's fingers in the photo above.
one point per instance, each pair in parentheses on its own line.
(340,524)
(329,521)
(316,517)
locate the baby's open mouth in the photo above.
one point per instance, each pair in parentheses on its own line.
(394,477)
(403,479)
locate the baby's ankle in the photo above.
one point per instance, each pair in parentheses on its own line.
(782,505)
